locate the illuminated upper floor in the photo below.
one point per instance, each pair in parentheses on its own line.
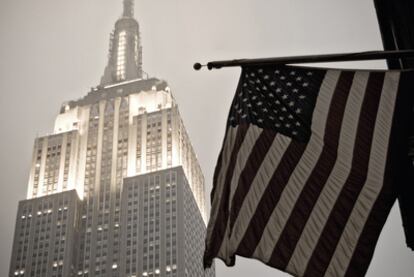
(114,132)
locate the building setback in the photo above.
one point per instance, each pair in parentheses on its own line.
(162,226)
(122,157)
(46,235)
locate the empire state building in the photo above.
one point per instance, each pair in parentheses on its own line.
(116,190)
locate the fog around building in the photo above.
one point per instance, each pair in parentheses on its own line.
(52,51)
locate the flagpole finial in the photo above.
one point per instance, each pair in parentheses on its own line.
(197,66)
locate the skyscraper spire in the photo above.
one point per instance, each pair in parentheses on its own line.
(125,58)
(128,8)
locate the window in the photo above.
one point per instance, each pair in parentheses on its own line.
(120,70)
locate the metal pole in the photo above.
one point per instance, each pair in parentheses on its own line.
(342,57)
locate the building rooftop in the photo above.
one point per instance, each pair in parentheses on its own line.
(116,90)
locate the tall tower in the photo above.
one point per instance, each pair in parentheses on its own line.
(116,190)
(125,52)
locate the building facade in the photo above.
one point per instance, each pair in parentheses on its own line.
(163,226)
(46,234)
(123,132)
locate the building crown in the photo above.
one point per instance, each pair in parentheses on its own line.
(125,51)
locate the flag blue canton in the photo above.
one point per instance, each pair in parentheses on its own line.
(281,99)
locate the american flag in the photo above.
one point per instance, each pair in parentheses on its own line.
(306,175)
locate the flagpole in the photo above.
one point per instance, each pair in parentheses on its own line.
(342,57)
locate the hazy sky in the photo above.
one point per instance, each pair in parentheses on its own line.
(54,50)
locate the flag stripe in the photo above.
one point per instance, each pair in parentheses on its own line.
(223,157)
(255,161)
(220,171)
(308,161)
(286,244)
(337,176)
(214,238)
(339,214)
(257,188)
(270,198)
(398,164)
(373,185)
(253,142)
(364,250)
(245,151)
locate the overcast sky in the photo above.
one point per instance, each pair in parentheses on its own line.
(55,50)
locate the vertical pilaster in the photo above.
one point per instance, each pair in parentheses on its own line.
(42,168)
(62,162)
(164,131)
